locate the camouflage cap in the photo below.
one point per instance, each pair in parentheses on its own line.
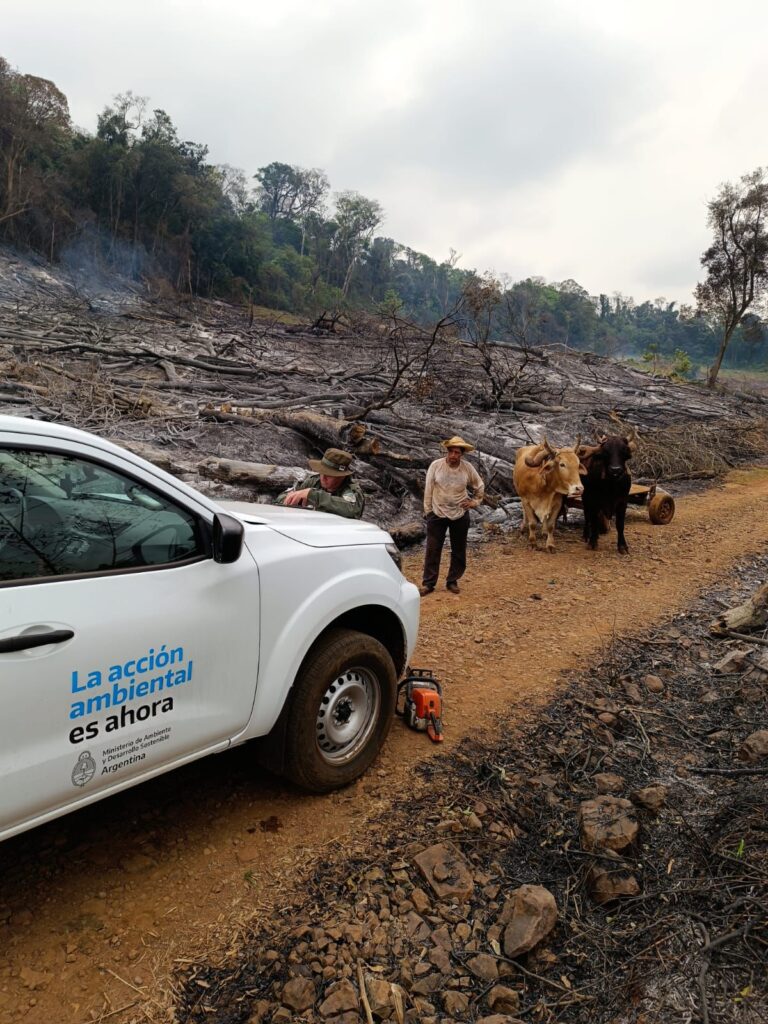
(334,462)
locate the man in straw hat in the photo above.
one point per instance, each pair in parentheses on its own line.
(329,488)
(446,508)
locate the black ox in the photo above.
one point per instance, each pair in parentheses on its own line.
(606,486)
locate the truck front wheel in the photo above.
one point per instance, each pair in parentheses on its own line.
(341,710)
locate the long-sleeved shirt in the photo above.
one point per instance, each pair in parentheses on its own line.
(446,488)
(347,501)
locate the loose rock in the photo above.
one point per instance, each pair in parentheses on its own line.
(653,798)
(633,692)
(428,985)
(734,661)
(382,995)
(259,1011)
(607,823)
(503,1000)
(607,782)
(530,914)
(299,994)
(484,967)
(607,884)
(341,997)
(446,870)
(755,747)
(608,719)
(455,1003)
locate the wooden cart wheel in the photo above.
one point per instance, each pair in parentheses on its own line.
(661,508)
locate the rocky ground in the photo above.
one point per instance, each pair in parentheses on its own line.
(608,864)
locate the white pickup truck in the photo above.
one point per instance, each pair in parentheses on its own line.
(143,625)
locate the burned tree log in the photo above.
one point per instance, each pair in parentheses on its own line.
(324,431)
(259,475)
(163,459)
(218,416)
(753,614)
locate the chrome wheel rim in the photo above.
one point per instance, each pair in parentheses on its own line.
(347,716)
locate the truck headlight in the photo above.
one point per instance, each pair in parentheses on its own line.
(394,553)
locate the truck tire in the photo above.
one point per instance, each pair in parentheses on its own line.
(341,711)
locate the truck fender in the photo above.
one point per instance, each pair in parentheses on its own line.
(280,663)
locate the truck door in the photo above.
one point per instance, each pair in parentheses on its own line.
(150,650)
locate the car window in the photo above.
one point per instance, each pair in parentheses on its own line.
(61,515)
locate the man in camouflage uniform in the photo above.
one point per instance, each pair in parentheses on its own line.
(329,488)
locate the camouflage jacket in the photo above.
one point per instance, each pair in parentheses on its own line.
(348,501)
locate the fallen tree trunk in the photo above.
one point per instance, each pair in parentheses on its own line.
(163,459)
(227,417)
(259,475)
(753,614)
(323,430)
(368,446)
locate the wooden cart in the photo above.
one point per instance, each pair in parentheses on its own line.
(660,503)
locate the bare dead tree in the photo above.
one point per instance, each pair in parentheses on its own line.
(403,359)
(511,371)
(737,260)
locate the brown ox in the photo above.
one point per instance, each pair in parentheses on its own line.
(543,478)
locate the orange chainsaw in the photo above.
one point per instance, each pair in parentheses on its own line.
(422,704)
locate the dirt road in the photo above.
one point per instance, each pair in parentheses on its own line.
(97,908)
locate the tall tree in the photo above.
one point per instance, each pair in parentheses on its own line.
(279,186)
(34,124)
(737,260)
(356,220)
(289,191)
(234,186)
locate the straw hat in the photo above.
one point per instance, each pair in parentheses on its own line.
(458,442)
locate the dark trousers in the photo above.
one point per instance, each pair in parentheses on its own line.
(437,527)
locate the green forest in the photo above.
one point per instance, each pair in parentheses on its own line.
(136,199)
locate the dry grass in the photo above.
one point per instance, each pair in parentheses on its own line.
(277,316)
(691,450)
(87,397)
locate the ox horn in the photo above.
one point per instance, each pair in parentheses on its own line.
(633,439)
(547,452)
(577,443)
(536,460)
(585,451)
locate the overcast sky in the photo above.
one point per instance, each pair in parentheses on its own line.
(561,138)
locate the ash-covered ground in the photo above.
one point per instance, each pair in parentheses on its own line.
(607,864)
(192,383)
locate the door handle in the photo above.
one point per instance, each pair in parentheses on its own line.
(26,641)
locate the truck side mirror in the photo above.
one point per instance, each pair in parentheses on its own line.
(227,538)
